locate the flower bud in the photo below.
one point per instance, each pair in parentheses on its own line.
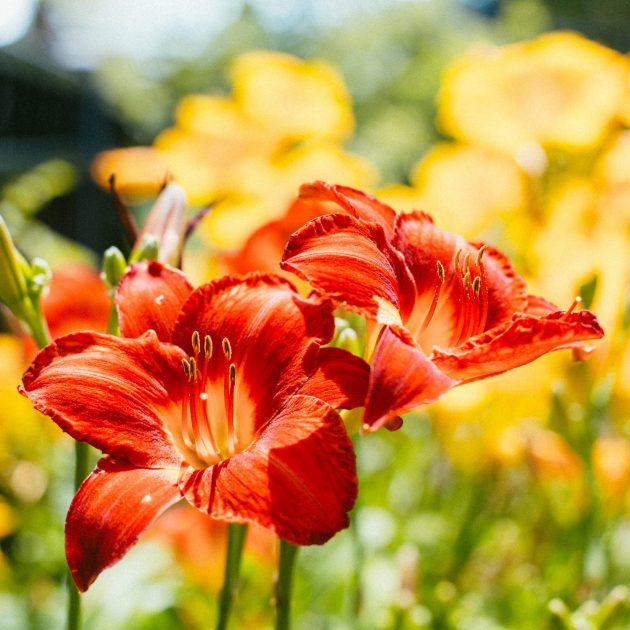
(167,224)
(146,248)
(114,265)
(14,272)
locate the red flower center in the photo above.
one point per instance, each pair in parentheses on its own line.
(210,431)
(456,308)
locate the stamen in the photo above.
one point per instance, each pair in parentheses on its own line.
(207,346)
(186,367)
(482,249)
(437,288)
(578,300)
(458,253)
(476,285)
(227,348)
(228,392)
(466,278)
(465,306)
(193,368)
(196,343)
(466,263)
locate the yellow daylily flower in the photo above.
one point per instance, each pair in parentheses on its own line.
(464,187)
(560,90)
(297,99)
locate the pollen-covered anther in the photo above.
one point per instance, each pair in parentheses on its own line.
(227,348)
(196,342)
(207,346)
(482,249)
(476,285)
(186,366)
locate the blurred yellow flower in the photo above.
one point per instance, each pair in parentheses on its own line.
(559,91)
(464,187)
(296,98)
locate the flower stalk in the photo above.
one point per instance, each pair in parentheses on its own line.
(237,533)
(284,584)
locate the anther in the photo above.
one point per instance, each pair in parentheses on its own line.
(466,280)
(207,346)
(232,373)
(227,348)
(466,263)
(440,271)
(186,367)
(196,343)
(193,369)
(482,249)
(476,285)
(458,253)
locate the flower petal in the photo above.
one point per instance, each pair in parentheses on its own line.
(355,202)
(341,379)
(113,506)
(150,296)
(374,283)
(110,392)
(297,479)
(402,378)
(516,342)
(274,335)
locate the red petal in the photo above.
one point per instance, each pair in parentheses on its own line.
(402,379)
(353,262)
(274,334)
(110,392)
(341,379)
(516,342)
(77,300)
(501,290)
(297,479)
(150,296)
(113,506)
(355,202)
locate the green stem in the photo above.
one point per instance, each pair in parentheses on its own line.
(235,543)
(284,584)
(37,324)
(81,469)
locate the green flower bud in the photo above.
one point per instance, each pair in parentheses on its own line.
(114,265)
(14,272)
(147,249)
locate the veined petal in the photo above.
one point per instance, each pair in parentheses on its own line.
(298,477)
(352,262)
(341,379)
(110,392)
(402,378)
(355,202)
(274,335)
(150,296)
(113,506)
(516,342)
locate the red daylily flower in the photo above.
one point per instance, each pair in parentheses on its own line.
(450,311)
(226,400)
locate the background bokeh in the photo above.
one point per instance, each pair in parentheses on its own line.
(503,506)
